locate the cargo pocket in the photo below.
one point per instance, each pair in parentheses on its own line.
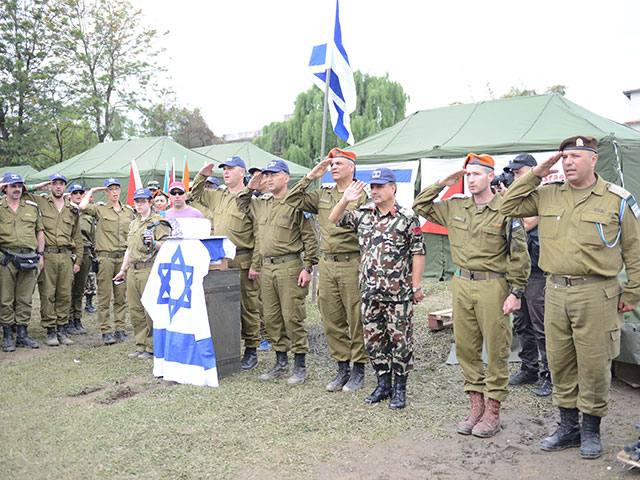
(589,228)
(549,222)
(458,233)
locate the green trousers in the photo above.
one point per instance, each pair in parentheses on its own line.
(477,316)
(108,268)
(54,285)
(249,302)
(77,290)
(140,319)
(16,295)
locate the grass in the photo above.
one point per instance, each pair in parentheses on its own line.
(88,411)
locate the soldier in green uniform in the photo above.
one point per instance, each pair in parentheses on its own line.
(491,253)
(283,235)
(20,233)
(88,231)
(114,219)
(393,255)
(588,230)
(339,298)
(62,257)
(241,228)
(147,233)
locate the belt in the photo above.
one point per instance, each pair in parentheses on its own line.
(244,251)
(111,254)
(479,275)
(56,249)
(18,250)
(282,259)
(141,265)
(341,257)
(574,281)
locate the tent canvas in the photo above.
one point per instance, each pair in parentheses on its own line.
(25,171)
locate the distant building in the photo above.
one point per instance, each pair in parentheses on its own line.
(634,108)
(242,136)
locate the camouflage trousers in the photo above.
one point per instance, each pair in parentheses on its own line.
(90,287)
(388,335)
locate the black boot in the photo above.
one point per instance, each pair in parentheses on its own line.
(356,380)
(544,387)
(63,338)
(342,377)
(88,306)
(250,359)
(108,339)
(121,336)
(566,435)
(71,328)
(52,337)
(590,446)
(299,370)
(7,344)
(279,370)
(79,328)
(525,376)
(399,393)
(383,390)
(23,339)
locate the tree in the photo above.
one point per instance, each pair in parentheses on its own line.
(380,104)
(524,92)
(187,127)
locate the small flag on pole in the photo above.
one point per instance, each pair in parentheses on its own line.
(134,182)
(185,174)
(166,184)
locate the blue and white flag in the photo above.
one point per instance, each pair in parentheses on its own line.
(342,88)
(174,297)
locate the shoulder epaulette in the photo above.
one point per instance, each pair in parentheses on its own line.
(102,204)
(368,206)
(618,190)
(459,195)
(328,186)
(31,202)
(407,212)
(44,195)
(265,196)
(129,207)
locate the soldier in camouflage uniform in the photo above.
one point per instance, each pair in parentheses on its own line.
(393,255)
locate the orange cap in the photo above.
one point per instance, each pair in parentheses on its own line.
(483,159)
(336,152)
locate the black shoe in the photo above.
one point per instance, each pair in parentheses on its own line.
(63,338)
(52,337)
(8,344)
(342,377)
(545,387)
(356,380)
(299,374)
(108,339)
(399,393)
(23,339)
(279,370)
(590,446)
(250,359)
(566,435)
(71,328)
(524,377)
(88,307)
(121,336)
(382,391)
(79,328)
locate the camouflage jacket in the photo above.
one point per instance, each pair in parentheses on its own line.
(387,245)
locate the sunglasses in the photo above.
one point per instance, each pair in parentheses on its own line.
(176,192)
(78,192)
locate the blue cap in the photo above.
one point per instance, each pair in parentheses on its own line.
(233,162)
(142,193)
(275,166)
(253,170)
(382,175)
(57,176)
(11,178)
(75,187)
(111,181)
(213,180)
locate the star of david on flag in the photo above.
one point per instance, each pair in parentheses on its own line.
(164,295)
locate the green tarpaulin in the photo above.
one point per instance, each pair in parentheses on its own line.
(25,171)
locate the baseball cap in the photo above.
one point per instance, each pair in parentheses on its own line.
(277,165)
(233,162)
(142,193)
(57,176)
(253,170)
(522,160)
(213,180)
(484,160)
(178,185)
(153,184)
(75,187)
(11,178)
(111,181)
(382,175)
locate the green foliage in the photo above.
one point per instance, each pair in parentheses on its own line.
(521,91)
(187,127)
(381,103)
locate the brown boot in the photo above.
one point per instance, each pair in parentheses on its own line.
(477,409)
(490,423)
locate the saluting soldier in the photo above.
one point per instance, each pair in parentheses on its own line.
(227,219)
(114,219)
(491,253)
(147,233)
(20,234)
(339,297)
(62,257)
(284,234)
(588,230)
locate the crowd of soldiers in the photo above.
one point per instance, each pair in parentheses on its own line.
(548,254)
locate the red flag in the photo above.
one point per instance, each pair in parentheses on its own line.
(430,227)
(134,182)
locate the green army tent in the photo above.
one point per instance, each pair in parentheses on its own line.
(25,171)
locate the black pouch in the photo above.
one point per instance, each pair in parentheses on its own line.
(95,265)
(4,261)
(25,261)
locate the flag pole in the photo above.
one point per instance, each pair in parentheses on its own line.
(323,142)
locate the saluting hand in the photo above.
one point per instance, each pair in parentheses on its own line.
(543,169)
(255,181)
(207,170)
(41,186)
(353,191)
(452,179)
(320,169)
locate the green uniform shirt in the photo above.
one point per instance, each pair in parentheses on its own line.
(88,229)
(113,226)
(478,238)
(18,229)
(282,230)
(227,219)
(138,251)
(335,239)
(570,244)
(61,228)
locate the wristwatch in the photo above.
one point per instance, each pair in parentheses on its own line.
(308,269)
(40,254)
(416,289)
(517,293)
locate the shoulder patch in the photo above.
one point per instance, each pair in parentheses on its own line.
(618,190)
(306,214)
(417,230)
(515,224)
(633,205)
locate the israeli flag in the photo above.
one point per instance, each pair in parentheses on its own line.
(342,88)
(174,297)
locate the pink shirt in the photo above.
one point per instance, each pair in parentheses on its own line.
(189,212)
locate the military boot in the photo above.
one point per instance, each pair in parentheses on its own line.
(356,380)
(88,306)
(52,337)
(121,336)
(71,328)
(78,324)
(382,391)
(399,393)
(342,377)
(489,424)
(279,370)
(590,446)
(299,370)
(544,387)
(566,435)
(525,376)
(108,339)
(23,339)
(250,359)
(63,338)
(8,344)
(477,410)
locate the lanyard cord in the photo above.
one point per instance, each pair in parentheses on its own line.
(599,226)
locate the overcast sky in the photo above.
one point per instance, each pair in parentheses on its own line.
(243,62)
